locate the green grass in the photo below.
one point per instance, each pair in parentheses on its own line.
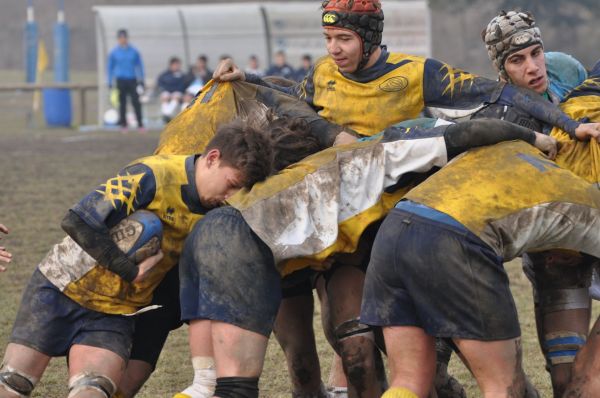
(45,171)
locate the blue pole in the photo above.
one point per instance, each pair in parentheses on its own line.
(31,44)
(61,45)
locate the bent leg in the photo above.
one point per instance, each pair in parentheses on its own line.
(294,332)
(560,281)
(94,372)
(496,365)
(411,358)
(355,341)
(203,363)
(228,276)
(21,369)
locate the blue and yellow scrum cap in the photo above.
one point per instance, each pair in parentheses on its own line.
(363,17)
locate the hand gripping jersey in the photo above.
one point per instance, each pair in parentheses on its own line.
(516,200)
(219,103)
(162,184)
(581,157)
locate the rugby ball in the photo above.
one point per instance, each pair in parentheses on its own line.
(138,235)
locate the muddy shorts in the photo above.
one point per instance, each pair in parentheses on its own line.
(437,276)
(50,322)
(228,274)
(152,328)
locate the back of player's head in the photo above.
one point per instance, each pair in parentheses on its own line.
(292,141)
(246,148)
(507,33)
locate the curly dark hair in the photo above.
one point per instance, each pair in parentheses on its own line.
(245,147)
(292,141)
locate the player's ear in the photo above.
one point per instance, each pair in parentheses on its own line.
(212,156)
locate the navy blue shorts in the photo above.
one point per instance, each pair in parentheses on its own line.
(438,277)
(50,322)
(153,327)
(228,274)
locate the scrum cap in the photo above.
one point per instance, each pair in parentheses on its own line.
(363,17)
(507,33)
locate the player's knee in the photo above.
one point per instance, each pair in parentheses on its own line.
(237,387)
(353,328)
(16,382)
(357,350)
(102,385)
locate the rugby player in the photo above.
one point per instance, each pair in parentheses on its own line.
(366,88)
(562,303)
(582,159)
(451,234)
(78,297)
(296,131)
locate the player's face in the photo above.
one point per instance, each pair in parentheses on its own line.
(217,182)
(527,68)
(345,48)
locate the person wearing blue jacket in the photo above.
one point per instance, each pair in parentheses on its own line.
(126,68)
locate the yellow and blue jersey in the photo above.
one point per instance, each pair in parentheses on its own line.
(398,87)
(162,184)
(516,200)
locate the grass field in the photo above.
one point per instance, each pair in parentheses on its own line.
(44,172)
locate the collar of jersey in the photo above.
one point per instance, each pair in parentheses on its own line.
(380,68)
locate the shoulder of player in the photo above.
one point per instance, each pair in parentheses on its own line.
(395,57)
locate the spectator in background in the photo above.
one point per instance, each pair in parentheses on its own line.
(126,67)
(199,75)
(171,85)
(305,65)
(281,67)
(253,66)
(5,256)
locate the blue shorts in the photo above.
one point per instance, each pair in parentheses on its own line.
(439,277)
(50,322)
(228,274)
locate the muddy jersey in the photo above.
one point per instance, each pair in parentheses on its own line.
(322,204)
(583,103)
(164,185)
(398,87)
(516,200)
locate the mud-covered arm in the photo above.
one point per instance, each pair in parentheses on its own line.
(305,90)
(89,221)
(447,88)
(99,245)
(538,107)
(463,136)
